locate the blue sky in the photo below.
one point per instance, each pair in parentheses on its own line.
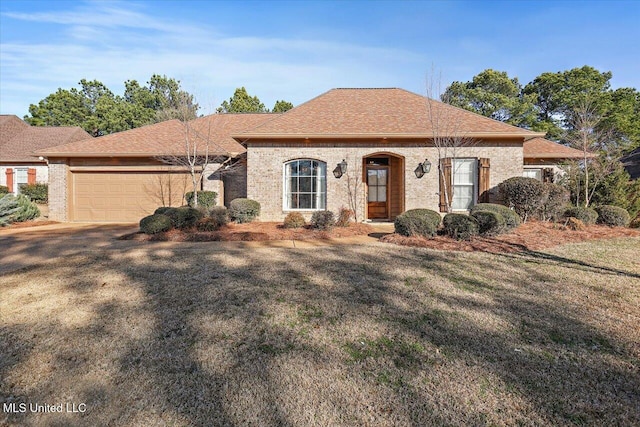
(298,50)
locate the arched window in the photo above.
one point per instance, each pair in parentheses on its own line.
(305,185)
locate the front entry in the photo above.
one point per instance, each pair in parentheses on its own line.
(378,190)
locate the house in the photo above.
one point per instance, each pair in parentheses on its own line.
(18,142)
(542,159)
(365,148)
(125,176)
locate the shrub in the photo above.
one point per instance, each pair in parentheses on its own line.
(524,195)
(613,216)
(208,224)
(294,220)
(459,226)
(156,223)
(489,223)
(417,222)
(575,224)
(219,214)
(27,210)
(206,199)
(322,220)
(244,210)
(635,223)
(511,219)
(344,217)
(554,204)
(586,215)
(183,217)
(38,193)
(164,210)
(8,206)
(4,190)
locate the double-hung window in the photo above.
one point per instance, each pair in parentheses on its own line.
(22,178)
(464,177)
(305,185)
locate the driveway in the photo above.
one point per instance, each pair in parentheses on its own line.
(24,247)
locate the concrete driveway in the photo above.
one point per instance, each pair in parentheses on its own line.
(24,247)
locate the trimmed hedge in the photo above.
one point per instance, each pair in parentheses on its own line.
(322,220)
(4,190)
(586,215)
(208,224)
(489,223)
(156,223)
(459,226)
(511,218)
(206,199)
(38,193)
(613,216)
(417,222)
(294,220)
(557,197)
(525,195)
(244,210)
(219,214)
(182,217)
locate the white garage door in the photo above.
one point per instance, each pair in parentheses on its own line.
(124,196)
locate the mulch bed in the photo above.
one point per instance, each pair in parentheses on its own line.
(533,235)
(254,231)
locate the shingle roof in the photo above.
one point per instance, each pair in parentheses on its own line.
(362,113)
(19,142)
(166,138)
(540,148)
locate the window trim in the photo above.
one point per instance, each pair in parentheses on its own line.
(540,171)
(285,195)
(474,192)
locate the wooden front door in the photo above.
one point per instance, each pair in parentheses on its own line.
(378,192)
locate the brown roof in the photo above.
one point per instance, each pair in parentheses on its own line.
(374,113)
(540,148)
(19,142)
(166,138)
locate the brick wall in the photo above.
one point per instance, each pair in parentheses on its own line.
(58,171)
(265,171)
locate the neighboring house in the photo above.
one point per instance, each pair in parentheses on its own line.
(631,163)
(293,161)
(542,159)
(121,177)
(18,142)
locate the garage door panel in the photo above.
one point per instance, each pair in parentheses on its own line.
(124,196)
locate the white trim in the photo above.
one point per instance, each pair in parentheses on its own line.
(318,194)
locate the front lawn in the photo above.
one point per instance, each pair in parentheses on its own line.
(209,334)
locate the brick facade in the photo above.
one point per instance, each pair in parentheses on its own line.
(58,174)
(265,170)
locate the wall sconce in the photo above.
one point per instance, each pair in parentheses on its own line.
(341,169)
(423,168)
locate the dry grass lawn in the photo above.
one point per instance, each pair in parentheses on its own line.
(188,334)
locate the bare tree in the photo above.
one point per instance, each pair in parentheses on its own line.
(196,142)
(586,136)
(353,183)
(167,189)
(447,134)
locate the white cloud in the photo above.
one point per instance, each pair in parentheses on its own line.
(114,44)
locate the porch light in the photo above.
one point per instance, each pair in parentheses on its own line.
(423,168)
(340,169)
